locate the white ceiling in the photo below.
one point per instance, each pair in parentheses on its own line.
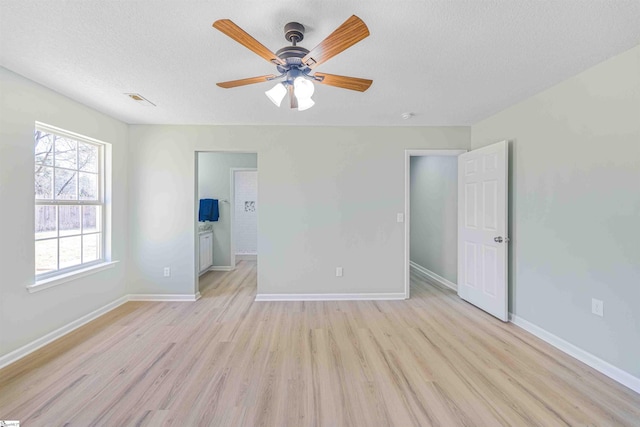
(450,62)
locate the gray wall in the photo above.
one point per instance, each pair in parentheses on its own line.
(329,198)
(434,214)
(214,182)
(575,207)
(25,317)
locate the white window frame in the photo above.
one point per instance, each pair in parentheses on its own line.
(52,278)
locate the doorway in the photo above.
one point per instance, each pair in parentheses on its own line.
(479,223)
(431,215)
(215,212)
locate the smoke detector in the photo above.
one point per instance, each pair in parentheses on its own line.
(407,116)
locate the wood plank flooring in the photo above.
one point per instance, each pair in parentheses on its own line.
(226,360)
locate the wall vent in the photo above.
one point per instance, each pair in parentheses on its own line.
(140,99)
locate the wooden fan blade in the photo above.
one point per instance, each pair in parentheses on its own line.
(241,36)
(346,35)
(344,82)
(292,97)
(244,82)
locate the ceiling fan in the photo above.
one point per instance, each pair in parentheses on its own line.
(295,63)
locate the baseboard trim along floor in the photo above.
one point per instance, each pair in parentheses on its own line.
(164,297)
(221,268)
(613,372)
(246,257)
(330,297)
(433,276)
(34,345)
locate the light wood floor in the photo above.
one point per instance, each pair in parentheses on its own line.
(226,360)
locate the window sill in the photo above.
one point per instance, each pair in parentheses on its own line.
(41,285)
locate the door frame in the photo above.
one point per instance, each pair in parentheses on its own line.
(407,206)
(232,210)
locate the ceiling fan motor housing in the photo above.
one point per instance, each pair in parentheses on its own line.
(294,32)
(292,55)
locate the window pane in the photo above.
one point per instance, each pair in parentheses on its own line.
(65,186)
(90,247)
(91,219)
(88,157)
(65,150)
(88,186)
(70,251)
(44,177)
(46,222)
(44,148)
(69,220)
(46,256)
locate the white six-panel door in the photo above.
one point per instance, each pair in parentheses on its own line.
(482,228)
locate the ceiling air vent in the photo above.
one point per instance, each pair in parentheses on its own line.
(140,99)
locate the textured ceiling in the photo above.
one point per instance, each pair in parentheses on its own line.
(450,62)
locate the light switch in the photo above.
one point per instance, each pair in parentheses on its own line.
(400,217)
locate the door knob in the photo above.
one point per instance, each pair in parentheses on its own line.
(498,239)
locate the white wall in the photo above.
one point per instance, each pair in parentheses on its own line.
(245,225)
(575,207)
(327,198)
(25,317)
(214,182)
(434,214)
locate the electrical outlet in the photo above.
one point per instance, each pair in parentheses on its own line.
(597,307)
(167,272)
(400,217)
(338,271)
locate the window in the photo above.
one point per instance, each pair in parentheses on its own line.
(69,202)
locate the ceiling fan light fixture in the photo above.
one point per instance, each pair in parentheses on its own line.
(303,88)
(305,104)
(276,94)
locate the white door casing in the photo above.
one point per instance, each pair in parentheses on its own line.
(482,228)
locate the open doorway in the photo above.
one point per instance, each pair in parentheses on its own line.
(216,212)
(431,198)
(457,215)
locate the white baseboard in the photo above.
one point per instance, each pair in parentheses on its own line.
(613,372)
(29,348)
(330,297)
(433,276)
(164,297)
(246,257)
(221,268)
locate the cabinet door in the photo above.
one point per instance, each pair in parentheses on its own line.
(205,243)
